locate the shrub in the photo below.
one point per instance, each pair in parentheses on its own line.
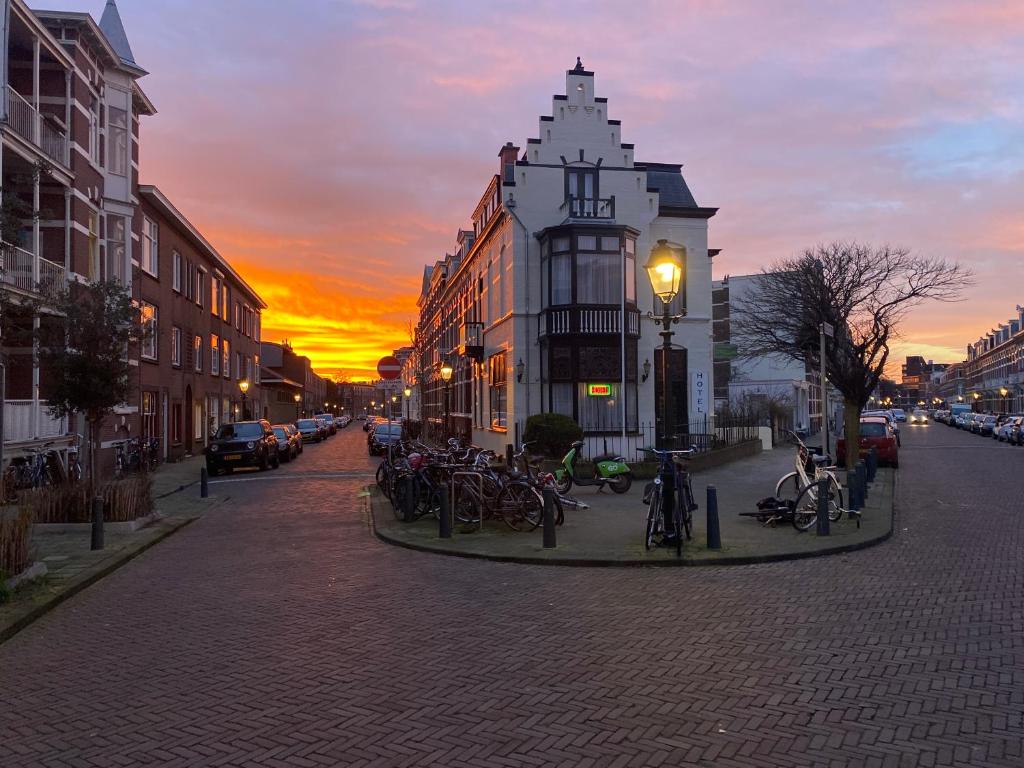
(552,434)
(125,500)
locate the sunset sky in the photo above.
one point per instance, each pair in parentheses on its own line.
(330,148)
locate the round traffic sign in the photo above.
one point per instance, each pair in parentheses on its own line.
(389,368)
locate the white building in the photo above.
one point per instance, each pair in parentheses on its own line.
(529,307)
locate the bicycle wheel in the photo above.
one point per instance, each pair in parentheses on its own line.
(835,500)
(400,495)
(678,518)
(382,479)
(653,519)
(788,486)
(521,506)
(466,504)
(805,510)
(686,506)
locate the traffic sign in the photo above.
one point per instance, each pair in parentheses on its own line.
(389,367)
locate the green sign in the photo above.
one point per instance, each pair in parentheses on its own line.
(725,351)
(599,390)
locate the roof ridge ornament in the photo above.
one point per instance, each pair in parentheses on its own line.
(579,65)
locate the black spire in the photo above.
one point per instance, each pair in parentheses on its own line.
(579,65)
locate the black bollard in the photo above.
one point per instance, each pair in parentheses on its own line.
(714,530)
(824,486)
(862,472)
(509,461)
(853,491)
(408,499)
(872,464)
(549,519)
(204,483)
(444,528)
(97,523)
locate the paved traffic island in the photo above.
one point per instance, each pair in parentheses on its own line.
(610,532)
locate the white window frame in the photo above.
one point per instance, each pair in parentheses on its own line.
(117,160)
(176,272)
(198,350)
(215,355)
(226,357)
(150,262)
(176,346)
(150,348)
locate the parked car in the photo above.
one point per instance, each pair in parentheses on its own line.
(899,414)
(987,424)
(876,432)
(384,434)
(342,421)
(1016,436)
(287,445)
(328,420)
(291,430)
(917,416)
(964,421)
(242,444)
(890,419)
(1004,427)
(309,430)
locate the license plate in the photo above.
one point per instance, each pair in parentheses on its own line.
(233,457)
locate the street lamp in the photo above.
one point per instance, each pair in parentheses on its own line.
(244,386)
(666,269)
(446,376)
(408,393)
(297,398)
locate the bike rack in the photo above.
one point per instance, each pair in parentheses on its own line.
(480,485)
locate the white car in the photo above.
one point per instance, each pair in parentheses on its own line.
(918,416)
(342,421)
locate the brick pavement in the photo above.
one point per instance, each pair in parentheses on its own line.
(278,632)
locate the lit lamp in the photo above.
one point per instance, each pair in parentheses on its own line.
(298,399)
(666,269)
(244,386)
(446,377)
(408,393)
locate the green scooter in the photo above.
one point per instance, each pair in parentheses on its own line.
(611,471)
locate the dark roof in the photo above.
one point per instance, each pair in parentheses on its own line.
(667,179)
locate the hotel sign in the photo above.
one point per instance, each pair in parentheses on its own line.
(599,390)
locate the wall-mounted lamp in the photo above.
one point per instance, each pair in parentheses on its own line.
(520,370)
(647,371)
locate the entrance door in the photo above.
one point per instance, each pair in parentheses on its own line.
(678,407)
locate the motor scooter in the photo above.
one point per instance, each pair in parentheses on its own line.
(610,470)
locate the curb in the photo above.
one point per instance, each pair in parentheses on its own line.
(583,562)
(79,583)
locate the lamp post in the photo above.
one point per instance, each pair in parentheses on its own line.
(446,377)
(244,386)
(298,398)
(1003,392)
(666,269)
(408,393)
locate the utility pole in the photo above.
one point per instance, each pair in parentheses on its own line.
(825,329)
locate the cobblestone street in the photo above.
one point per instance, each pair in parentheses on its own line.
(277,631)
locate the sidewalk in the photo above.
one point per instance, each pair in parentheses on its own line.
(72,566)
(611,531)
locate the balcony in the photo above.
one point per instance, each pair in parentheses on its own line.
(26,272)
(589,207)
(27,421)
(28,123)
(589,320)
(471,341)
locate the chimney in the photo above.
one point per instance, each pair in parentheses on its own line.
(507,169)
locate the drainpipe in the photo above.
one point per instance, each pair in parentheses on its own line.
(510,206)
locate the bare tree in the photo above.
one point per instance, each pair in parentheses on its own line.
(863,292)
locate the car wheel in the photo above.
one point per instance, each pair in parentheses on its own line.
(263,464)
(277,460)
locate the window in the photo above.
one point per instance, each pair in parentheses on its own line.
(197,351)
(498,392)
(116,231)
(149,428)
(598,278)
(94,246)
(150,256)
(199,287)
(238,315)
(117,141)
(581,191)
(239,363)
(94,131)
(176,271)
(256,369)
(630,269)
(176,347)
(214,354)
(214,294)
(561,278)
(198,431)
(149,326)
(256,330)
(190,280)
(225,303)
(227,359)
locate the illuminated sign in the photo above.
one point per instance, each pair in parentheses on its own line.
(599,390)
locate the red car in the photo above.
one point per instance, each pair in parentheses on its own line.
(876,432)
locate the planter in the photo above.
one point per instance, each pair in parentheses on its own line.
(15,532)
(125,526)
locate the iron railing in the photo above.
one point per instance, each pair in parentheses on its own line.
(27,272)
(26,121)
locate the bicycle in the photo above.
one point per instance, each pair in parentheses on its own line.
(802,488)
(673,487)
(74,468)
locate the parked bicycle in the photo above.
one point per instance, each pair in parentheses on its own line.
(799,488)
(38,468)
(672,490)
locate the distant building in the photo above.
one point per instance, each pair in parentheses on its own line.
(919,381)
(994,369)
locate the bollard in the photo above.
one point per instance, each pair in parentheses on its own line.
(97,523)
(714,531)
(862,473)
(408,499)
(872,464)
(853,491)
(509,461)
(822,518)
(204,483)
(549,519)
(444,528)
